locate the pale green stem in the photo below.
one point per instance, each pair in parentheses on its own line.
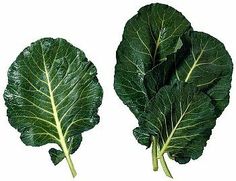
(71,165)
(58,124)
(164,166)
(154,154)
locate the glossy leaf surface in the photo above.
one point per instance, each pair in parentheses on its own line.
(175,80)
(148,38)
(181,117)
(53,96)
(209,67)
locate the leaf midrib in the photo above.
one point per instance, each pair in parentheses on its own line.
(157,43)
(55,114)
(195,62)
(165,146)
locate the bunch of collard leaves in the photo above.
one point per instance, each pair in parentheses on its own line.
(176,82)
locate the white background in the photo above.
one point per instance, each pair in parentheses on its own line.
(109,152)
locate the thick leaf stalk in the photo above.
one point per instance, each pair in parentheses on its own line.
(154,154)
(165,167)
(71,165)
(157,155)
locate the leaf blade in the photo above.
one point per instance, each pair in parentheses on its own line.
(51,85)
(209,67)
(180,114)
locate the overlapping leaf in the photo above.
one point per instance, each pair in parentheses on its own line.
(177,115)
(209,67)
(175,80)
(53,96)
(149,37)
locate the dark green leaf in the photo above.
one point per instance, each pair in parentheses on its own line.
(181,117)
(163,69)
(209,67)
(149,37)
(53,96)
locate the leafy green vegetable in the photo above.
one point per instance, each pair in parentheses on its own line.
(53,96)
(178,116)
(149,37)
(209,67)
(176,81)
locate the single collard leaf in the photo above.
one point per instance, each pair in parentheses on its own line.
(53,96)
(148,38)
(181,118)
(209,67)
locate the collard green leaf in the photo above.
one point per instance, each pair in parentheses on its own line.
(178,116)
(53,96)
(209,67)
(148,38)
